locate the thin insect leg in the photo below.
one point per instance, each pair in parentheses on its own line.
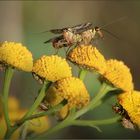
(56,51)
(95,41)
(65,50)
(68,50)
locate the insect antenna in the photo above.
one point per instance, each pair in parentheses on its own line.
(54,31)
(112,34)
(114,21)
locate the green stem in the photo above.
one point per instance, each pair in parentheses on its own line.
(24,131)
(41,114)
(7,81)
(96,122)
(67,122)
(82,74)
(61,125)
(38,100)
(31,110)
(104,89)
(21,122)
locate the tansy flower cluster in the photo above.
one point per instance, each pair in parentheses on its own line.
(113,72)
(55,69)
(58,85)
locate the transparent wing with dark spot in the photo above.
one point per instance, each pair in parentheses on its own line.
(55,31)
(58,31)
(81,28)
(75,29)
(54,39)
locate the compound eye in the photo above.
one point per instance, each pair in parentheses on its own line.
(97,28)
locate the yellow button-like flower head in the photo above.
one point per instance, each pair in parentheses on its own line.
(71,89)
(130,101)
(52,68)
(88,57)
(16,55)
(118,74)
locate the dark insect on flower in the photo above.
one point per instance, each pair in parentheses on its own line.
(38,78)
(79,34)
(43,107)
(118,109)
(58,42)
(128,124)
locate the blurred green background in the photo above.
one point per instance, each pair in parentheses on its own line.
(21,21)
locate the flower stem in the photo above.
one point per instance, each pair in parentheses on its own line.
(68,121)
(21,122)
(59,126)
(41,114)
(103,90)
(96,122)
(31,110)
(38,100)
(7,80)
(24,131)
(82,74)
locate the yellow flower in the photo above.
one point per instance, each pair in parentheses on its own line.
(71,89)
(63,112)
(88,57)
(13,104)
(118,74)
(16,55)
(37,125)
(52,68)
(1,110)
(15,135)
(130,101)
